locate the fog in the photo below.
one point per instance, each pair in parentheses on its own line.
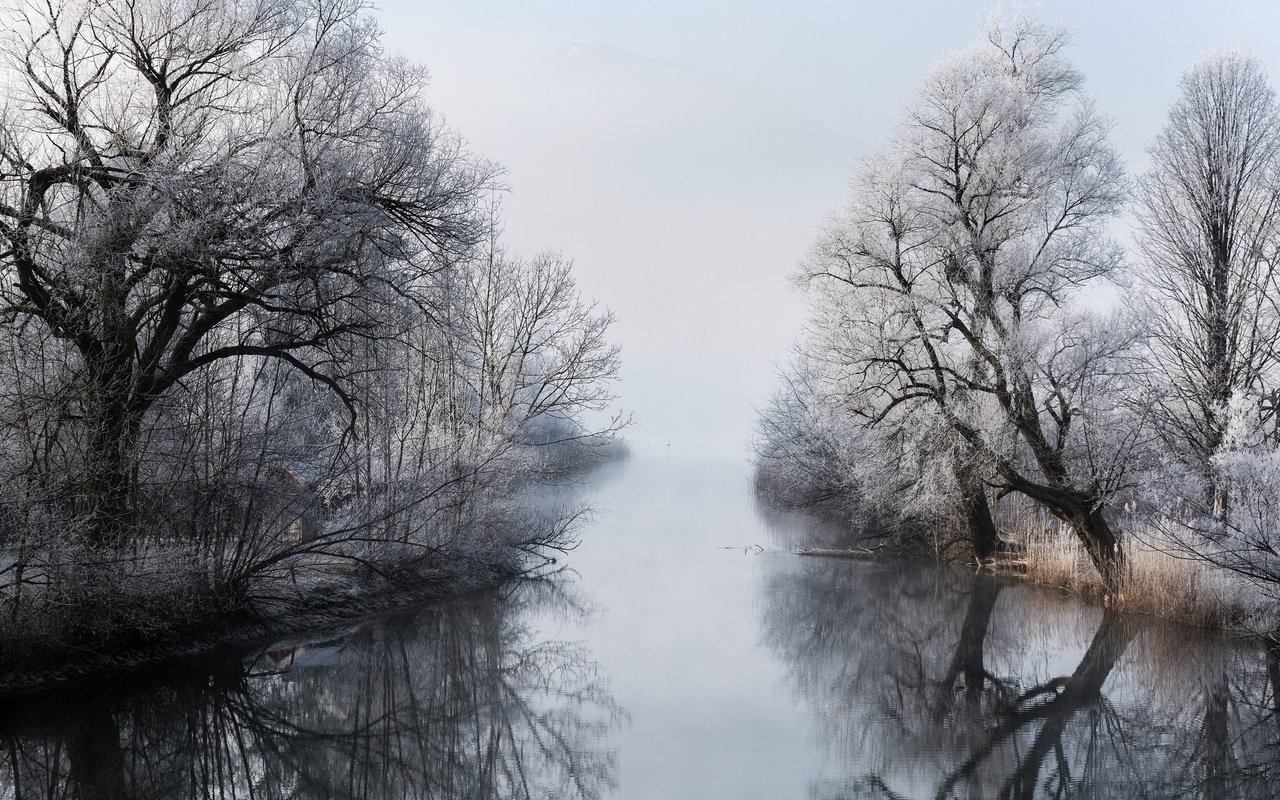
(684,154)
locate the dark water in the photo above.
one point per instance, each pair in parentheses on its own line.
(686,654)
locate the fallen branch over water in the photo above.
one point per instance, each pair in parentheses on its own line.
(860,553)
(1005,566)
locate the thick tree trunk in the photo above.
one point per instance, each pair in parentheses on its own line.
(980,526)
(1101,543)
(108,494)
(112,424)
(109,468)
(1084,513)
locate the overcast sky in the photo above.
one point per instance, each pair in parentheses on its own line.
(683,152)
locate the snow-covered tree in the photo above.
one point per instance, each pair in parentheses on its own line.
(1209,223)
(187,183)
(258,337)
(947,283)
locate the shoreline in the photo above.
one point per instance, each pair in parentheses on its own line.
(1160,585)
(67,667)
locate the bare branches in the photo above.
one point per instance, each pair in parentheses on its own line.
(258,168)
(941,293)
(257,326)
(1210,223)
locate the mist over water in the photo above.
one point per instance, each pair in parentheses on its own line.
(686,651)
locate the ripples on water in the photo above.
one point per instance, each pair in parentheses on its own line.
(705,667)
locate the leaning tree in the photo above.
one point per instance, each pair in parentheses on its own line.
(184,182)
(948,282)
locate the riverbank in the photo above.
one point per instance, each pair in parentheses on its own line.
(1162,579)
(91,645)
(76,613)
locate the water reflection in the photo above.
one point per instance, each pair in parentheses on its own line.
(456,701)
(910,681)
(935,684)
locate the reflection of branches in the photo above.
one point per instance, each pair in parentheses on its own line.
(1082,689)
(453,701)
(925,680)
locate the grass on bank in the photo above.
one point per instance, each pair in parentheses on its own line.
(1161,579)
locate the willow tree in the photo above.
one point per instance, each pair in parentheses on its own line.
(183,183)
(947,281)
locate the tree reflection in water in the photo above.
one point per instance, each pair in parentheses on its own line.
(454,701)
(944,685)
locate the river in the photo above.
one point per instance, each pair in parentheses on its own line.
(684,651)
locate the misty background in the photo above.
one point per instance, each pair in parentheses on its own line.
(684,154)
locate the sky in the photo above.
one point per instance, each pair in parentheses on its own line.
(684,153)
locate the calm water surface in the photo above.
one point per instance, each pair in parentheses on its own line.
(685,652)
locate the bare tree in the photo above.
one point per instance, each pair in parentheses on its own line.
(537,357)
(1209,216)
(194,182)
(259,339)
(949,279)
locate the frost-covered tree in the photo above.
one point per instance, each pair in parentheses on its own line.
(513,379)
(947,283)
(258,338)
(185,183)
(803,442)
(535,352)
(908,477)
(1209,222)
(905,453)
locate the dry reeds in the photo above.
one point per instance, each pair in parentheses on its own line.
(1160,578)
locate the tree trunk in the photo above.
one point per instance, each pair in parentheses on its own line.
(980,526)
(1101,543)
(1215,496)
(1084,513)
(112,424)
(109,468)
